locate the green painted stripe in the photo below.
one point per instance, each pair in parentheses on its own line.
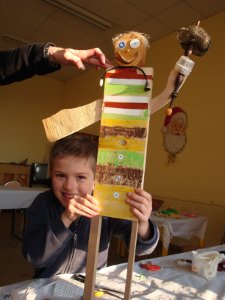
(126,117)
(124,89)
(130,159)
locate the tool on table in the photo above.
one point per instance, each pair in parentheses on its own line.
(183,262)
(99,290)
(149,266)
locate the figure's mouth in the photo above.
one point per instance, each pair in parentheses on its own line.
(125,58)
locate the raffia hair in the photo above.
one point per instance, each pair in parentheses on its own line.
(144,37)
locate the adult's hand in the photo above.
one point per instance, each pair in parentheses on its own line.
(78,58)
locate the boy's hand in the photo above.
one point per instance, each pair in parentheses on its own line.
(80,206)
(141,206)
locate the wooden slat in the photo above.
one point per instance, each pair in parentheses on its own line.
(131,258)
(93,248)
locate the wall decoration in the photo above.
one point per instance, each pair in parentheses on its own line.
(174,133)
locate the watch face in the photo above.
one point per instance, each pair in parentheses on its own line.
(130,50)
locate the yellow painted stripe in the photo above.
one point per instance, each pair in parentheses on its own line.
(121,142)
(124,123)
(112,201)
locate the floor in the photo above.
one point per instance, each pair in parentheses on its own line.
(13,266)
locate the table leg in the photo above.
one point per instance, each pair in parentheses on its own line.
(201,243)
(166,237)
(164,251)
(121,248)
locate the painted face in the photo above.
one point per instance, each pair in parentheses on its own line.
(72,176)
(177,126)
(130,50)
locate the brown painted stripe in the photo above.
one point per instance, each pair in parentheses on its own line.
(135,132)
(117,175)
(126,105)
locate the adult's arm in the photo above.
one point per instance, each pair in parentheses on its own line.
(25,62)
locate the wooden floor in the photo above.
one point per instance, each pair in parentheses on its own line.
(14,268)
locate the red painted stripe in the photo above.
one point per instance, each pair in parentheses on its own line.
(126,105)
(127,74)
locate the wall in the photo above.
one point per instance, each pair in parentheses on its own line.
(83,90)
(196,181)
(23,106)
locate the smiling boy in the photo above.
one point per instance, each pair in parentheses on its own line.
(58,221)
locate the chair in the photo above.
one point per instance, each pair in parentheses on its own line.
(223,239)
(13,184)
(16,184)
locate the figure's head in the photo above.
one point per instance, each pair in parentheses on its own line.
(130,48)
(72,166)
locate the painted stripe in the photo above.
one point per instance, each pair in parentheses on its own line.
(124,123)
(130,73)
(120,157)
(125,99)
(128,112)
(115,117)
(124,176)
(124,89)
(127,81)
(112,201)
(126,105)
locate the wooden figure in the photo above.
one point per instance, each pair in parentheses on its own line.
(124,126)
(122,142)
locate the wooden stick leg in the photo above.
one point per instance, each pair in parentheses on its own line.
(93,248)
(131,259)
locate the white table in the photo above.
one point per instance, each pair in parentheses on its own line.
(173,282)
(184,228)
(18,198)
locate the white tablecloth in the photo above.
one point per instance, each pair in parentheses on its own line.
(184,228)
(16,198)
(173,282)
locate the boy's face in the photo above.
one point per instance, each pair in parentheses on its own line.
(72,176)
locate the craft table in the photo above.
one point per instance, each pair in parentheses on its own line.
(18,198)
(173,282)
(185,227)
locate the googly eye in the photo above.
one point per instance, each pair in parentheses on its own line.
(122,44)
(122,142)
(135,43)
(120,156)
(116,195)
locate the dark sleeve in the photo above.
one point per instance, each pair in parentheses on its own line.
(45,235)
(25,62)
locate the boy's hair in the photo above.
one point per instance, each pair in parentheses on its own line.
(78,145)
